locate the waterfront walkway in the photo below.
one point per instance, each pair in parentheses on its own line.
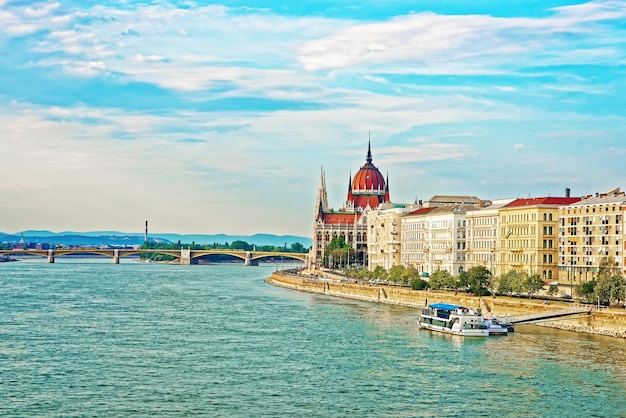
(549,315)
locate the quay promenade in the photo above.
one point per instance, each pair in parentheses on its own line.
(603,321)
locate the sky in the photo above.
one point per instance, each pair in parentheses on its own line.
(218,117)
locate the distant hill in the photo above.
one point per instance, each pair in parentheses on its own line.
(122,238)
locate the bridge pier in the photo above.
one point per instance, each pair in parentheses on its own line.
(248,261)
(116,256)
(185,257)
(50,256)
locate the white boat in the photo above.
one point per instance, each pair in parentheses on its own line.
(453,319)
(497,327)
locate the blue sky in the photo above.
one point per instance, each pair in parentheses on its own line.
(216,117)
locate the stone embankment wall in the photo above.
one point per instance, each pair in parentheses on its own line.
(600,321)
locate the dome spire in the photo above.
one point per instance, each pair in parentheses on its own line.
(369,148)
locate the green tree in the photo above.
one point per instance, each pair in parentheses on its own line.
(517,283)
(339,257)
(441,279)
(410,274)
(587,291)
(418,283)
(395,273)
(337,243)
(357,273)
(477,280)
(612,289)
(492,283)
(379,273)
(532,284)
(553,289)
(241,245)
(610,285)
(512,282)
(296,247)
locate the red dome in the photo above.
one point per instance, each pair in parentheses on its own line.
(368,178)
(368,188)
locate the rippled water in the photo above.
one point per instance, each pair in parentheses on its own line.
(89,338)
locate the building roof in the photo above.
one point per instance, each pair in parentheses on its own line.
(337,218)
(439,200)
(599,199)
(421,211)
(546,201)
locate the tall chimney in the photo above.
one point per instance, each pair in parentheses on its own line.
(145,238)
(567,192)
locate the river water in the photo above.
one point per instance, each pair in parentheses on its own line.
(90,338)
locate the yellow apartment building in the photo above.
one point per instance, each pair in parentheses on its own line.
(528,237)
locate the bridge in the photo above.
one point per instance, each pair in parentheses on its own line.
(250,258)
(548,315)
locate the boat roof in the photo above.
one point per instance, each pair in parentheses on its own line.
(445,306)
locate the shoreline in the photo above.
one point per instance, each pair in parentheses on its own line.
(603,321)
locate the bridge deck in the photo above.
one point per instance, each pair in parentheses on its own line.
(525,319)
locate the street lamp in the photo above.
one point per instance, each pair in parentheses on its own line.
(571,261)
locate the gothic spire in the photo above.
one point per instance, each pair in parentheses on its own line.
(322,195)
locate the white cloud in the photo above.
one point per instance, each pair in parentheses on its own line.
(150,58)
(518,146)
(40,10)
(426,40)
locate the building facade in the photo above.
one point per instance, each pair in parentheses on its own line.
(590,230)
(413,239)
(434,239)
(483,234)
(366,191)
(528,237)
(384,235)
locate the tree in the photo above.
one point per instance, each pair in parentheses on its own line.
(512,281)
(587,291)
(296,247)
(337,243)
(441,279)
(612,289)
(241,245)
(532,284)
(610,285)
(492,283)
(477,280)
(418,283)
(379,273)
(395,273)
(410,274)
(553,289)
(519,278)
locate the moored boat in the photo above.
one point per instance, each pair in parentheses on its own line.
(453,319)
(498,327)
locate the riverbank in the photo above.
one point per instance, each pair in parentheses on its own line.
(607,322)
